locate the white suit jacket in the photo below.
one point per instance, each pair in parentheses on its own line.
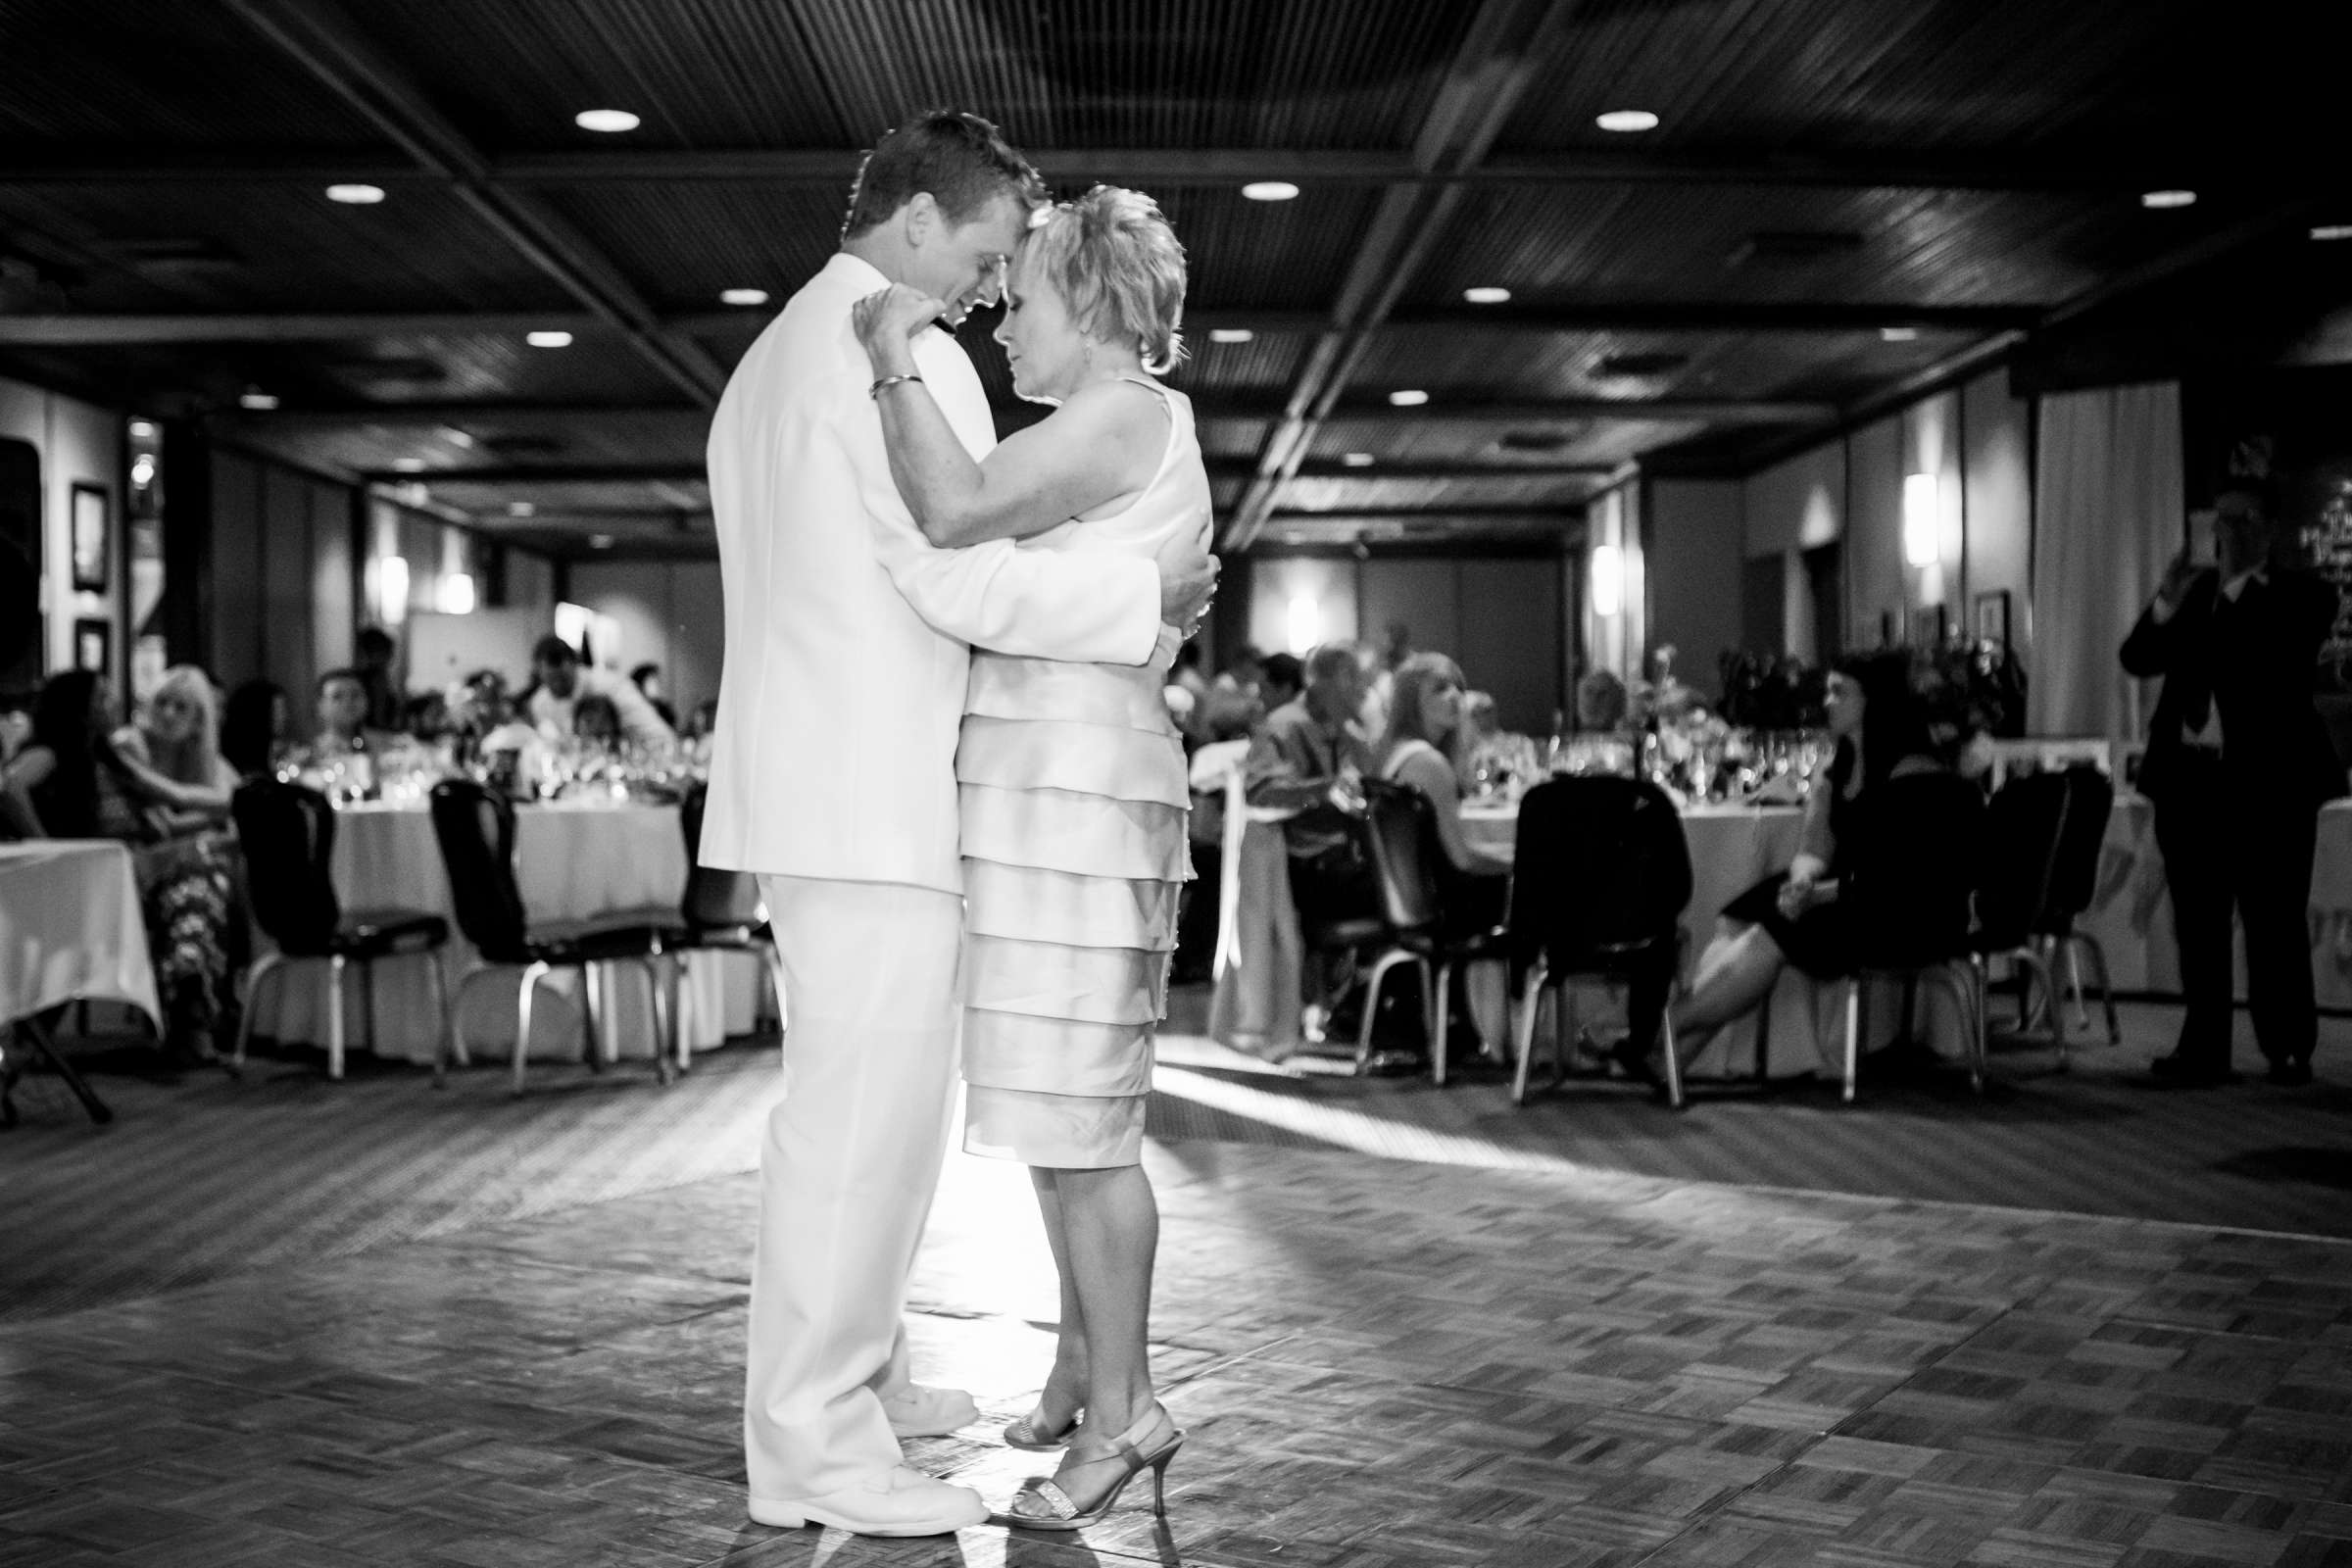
(848,636)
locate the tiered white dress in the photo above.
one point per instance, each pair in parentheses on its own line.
(1073,791)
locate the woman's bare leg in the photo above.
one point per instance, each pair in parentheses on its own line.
(1111,1224)
(1064,1392)
(1736,982)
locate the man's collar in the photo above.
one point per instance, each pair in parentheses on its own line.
(2237,584)
(867,278)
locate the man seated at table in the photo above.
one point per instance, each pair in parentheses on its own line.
(562,680)
(1305,749)
(343,712)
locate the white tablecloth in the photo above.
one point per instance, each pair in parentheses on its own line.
(70,928)
(573,862)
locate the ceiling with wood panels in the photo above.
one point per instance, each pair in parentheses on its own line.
(1842,202)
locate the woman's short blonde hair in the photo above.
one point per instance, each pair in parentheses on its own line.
(1118,267)
(196,759)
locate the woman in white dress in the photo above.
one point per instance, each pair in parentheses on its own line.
(1073,791)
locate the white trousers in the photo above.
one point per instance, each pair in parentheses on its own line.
(847,1169)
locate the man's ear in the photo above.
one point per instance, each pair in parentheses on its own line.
(920,218)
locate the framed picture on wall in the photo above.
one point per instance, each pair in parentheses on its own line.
(1993,616)
(92,550)
(94,646)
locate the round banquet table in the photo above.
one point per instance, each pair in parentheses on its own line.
(576,861)
(70,928)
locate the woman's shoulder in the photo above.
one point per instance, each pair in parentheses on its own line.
(1419,763)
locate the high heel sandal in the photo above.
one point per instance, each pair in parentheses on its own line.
(1065,1514)
(1030,1432)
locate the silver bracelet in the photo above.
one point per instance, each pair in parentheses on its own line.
(875,390)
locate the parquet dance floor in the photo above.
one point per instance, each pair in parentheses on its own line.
(1381,1362)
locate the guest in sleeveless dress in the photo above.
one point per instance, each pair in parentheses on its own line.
(1073,793)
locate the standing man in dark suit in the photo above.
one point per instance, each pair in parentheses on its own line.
(2238,763)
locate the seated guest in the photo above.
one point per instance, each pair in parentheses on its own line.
(1425,716)
(254,724)
(179,736)
(343,715)
(1602,704)
(425,716)
(1248,673)
(1281,680)
(1795,916)
(564,680)
(595,720)
(78,786)
(1228,717)
(373,654)
(646,678)
(1306,747)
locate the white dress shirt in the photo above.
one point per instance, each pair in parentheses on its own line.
(550,714)
(848,635)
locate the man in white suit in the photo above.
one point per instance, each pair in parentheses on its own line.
(832,777)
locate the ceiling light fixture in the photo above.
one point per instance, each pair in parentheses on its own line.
(520,509)
(356,195)
(1488,294)
(610,122)
(2162,200)
(742,296)
(142,429)
(1898,334)
(1230,334)
(457,437)
(1356,460)
(2333,231)
(253,397)
(1408,397)
(1624,119)
(548,340)
(408,464)
(600,541)
(1270,190)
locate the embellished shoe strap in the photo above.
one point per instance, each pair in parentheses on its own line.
(1054,1498)
(1049,1492)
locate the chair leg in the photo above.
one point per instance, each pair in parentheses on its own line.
(1674,1059)
(1531,995)
(531,974)
(1979,1001)
(592,1017)
(334,1016)
(367,999)
(657,990)
(1854,1036)
(1363,1034)
(2044,963)
(673,976)
(2098,956)
(447,1034)
(1438,1020)
(262,968)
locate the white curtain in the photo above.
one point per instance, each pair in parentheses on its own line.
(2108,515)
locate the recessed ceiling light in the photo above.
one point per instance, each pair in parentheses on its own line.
(356,195)
(2161,199)
(1356,460)
(408,464)
(1487,294)
(142,429)
(548,340)
(256,398)
(609,120)
(520,509)
(1627,119)
(1898,334)
(457,437)
(2333,231)
(1230,334)
(742,296)
(1269,191)
(1408,397)
(600,541)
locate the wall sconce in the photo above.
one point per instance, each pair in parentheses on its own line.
(391,589)
(1609,580)
(1305,622)
(1923,520)
(455,596)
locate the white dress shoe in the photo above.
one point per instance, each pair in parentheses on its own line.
(898,1502)
(917,1411)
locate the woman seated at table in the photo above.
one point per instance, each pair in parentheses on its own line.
(596,721)
(178,735)
(1794,916)
(81,786)
(255,722)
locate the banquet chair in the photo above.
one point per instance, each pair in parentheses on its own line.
(1599,880)
(2089,801)
(1911,880)
(2024,826)
(475,829)
(1401,833)
(722,913)
(287,833)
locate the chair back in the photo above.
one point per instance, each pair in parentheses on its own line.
(1401,832)
(288,837)
(714,898)
(1911,869)
(2089,798)
(1600,865)
(475,829)
(2025,825)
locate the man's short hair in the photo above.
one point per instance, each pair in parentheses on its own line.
(1284,669)
(554,649)
(2263,492)
(373,639)
(334,675)
(959,159)
(1333,659)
